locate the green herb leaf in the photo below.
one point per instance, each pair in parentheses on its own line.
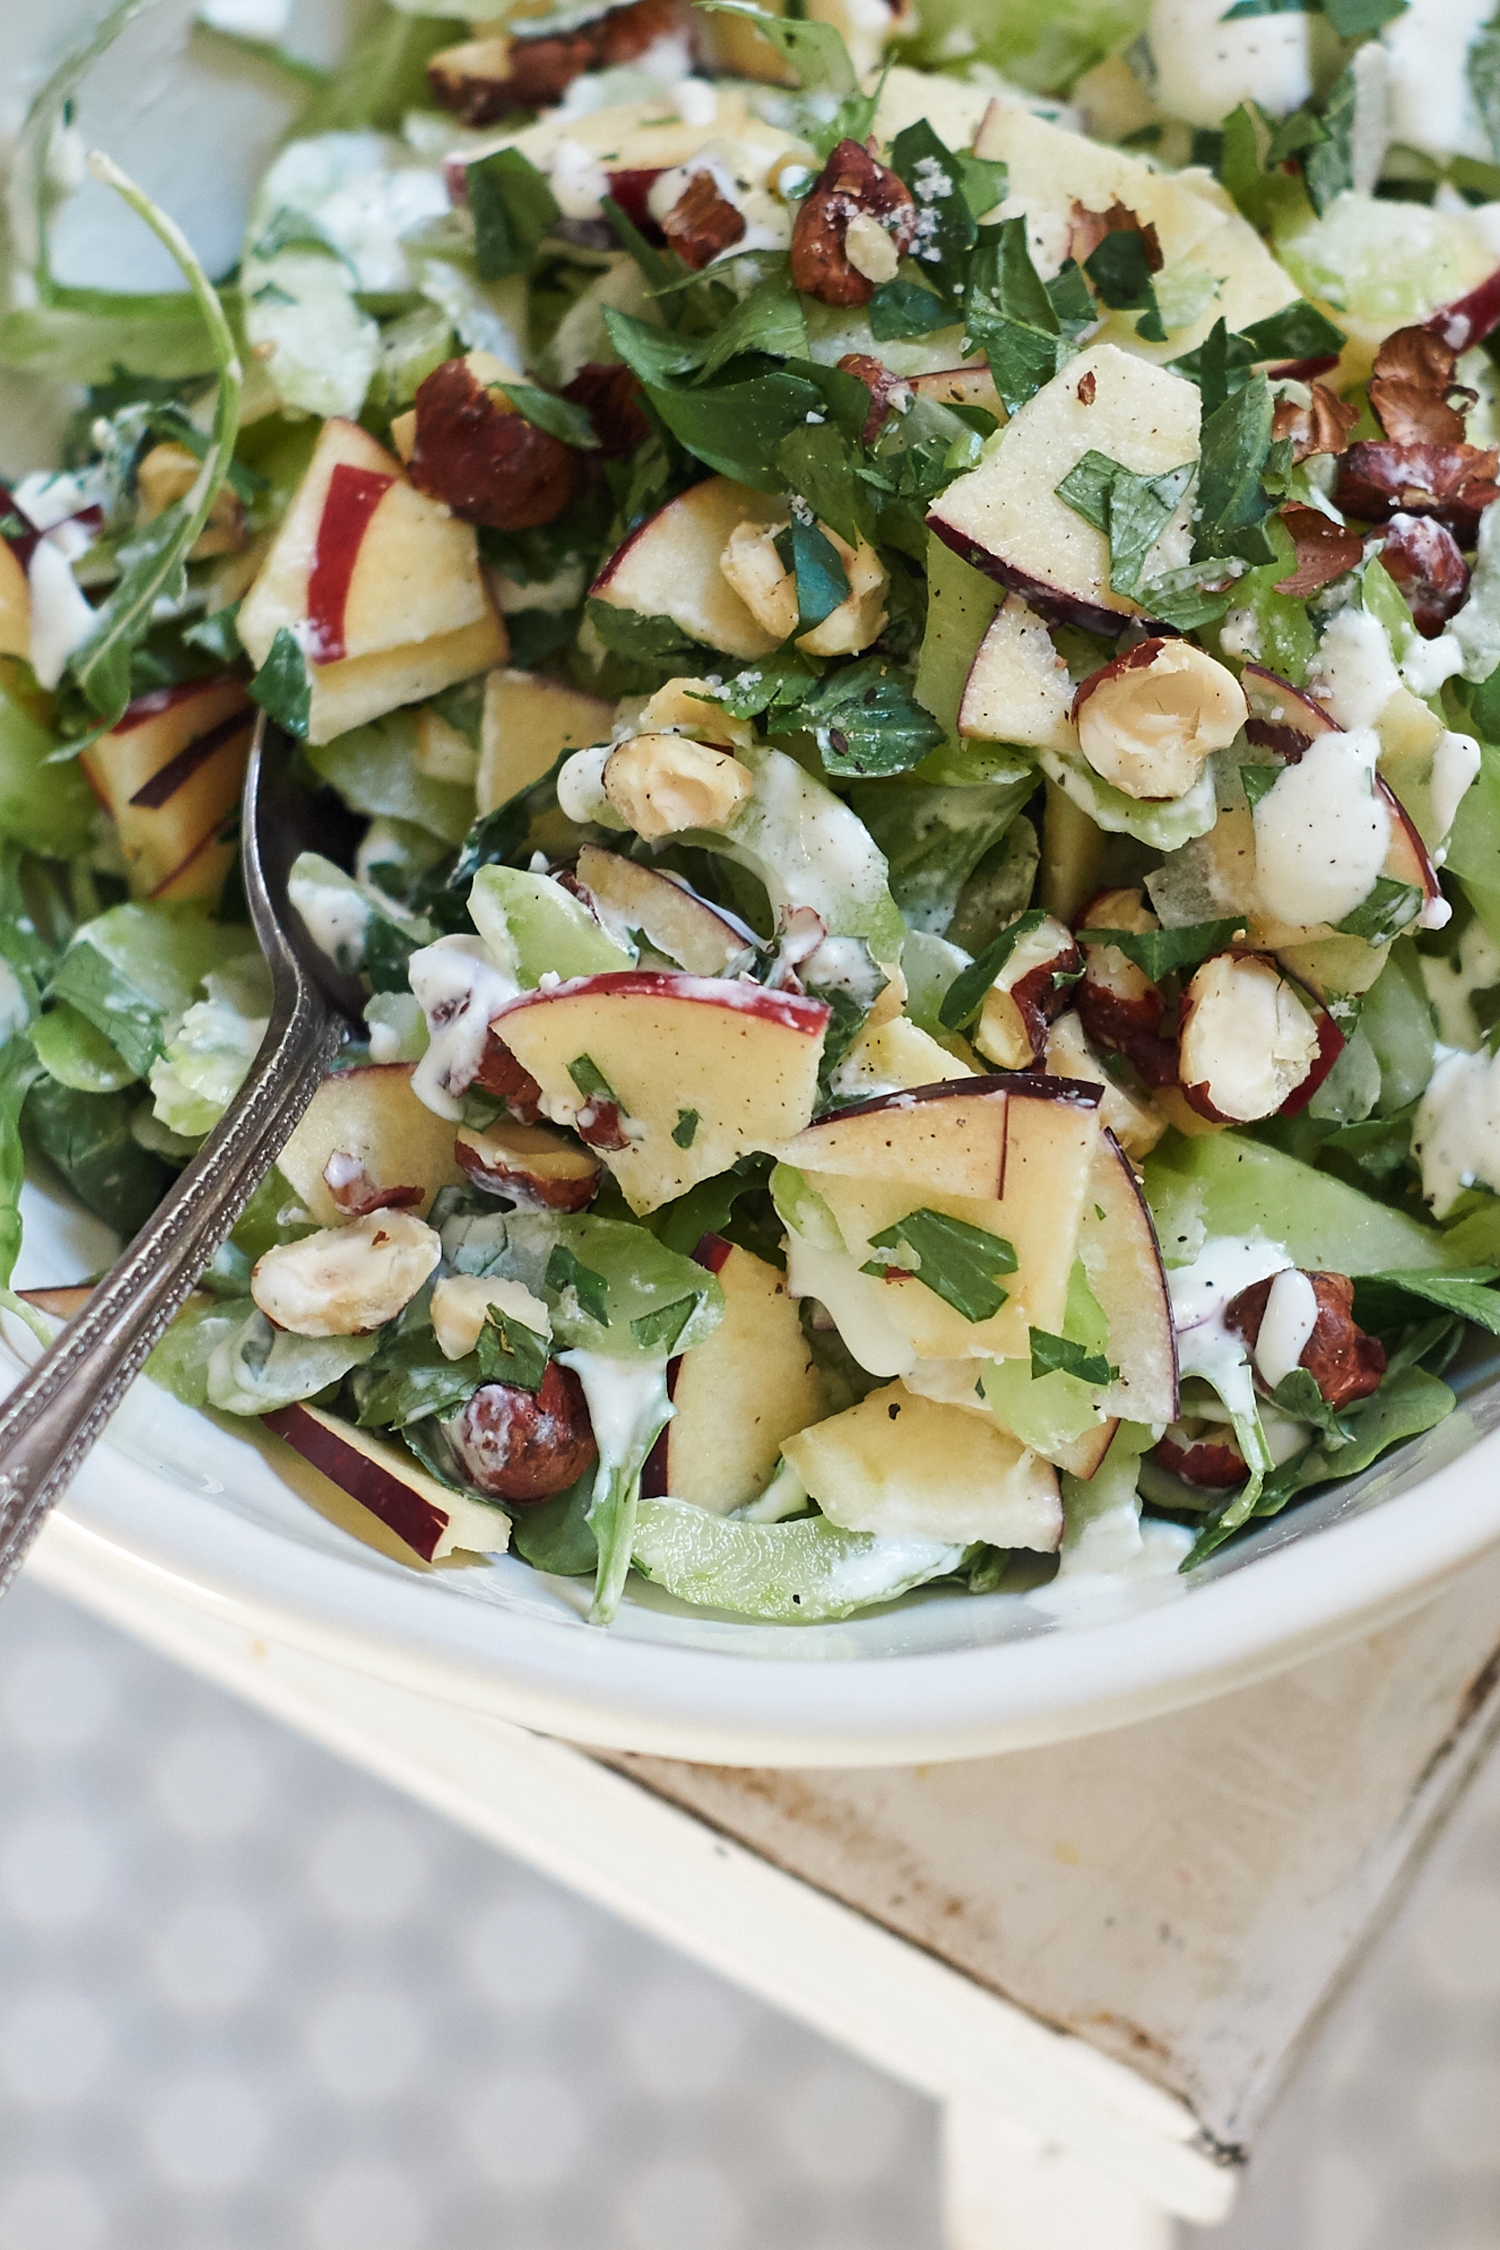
(1009,316)
(281,687)
(590,1079)
(902,308)
(662,272)
(815,50)
(1232,505)
(658,1331)
(1298,1394)
(867,720)
(512,207)
(818,462)
(565,1271)
(1353,19)
(1058,1355)
(685,1131)
(965,995)
(956,1261)
(644,640)
(1120,269)
(822,581)
(509,1352)
(1386,1301)
(1162,953)
(1390,908)
(736,428)
(1483,71)
(1132,511)
(946,228)
(1195,595)
(559,417)
(154,562)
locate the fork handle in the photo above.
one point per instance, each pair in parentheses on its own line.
(55,1414)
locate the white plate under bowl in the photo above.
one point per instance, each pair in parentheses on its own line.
(231,1522)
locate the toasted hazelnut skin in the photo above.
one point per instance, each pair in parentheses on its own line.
(356,1194)
(851,184)
(1026,996)
(526,1445)
(501,1075)
(1149,721)
(1214,1462)
(610,396)
(1341,1358)
(702,222)
(1120,1007)
(1135,1123)
(484,80)
(482,460)
(1427,563)
(879,382)
(531,1164)
(663,783)
(346,1281)
(1245,1042)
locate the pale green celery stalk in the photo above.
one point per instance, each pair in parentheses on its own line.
(629,1408)
(155,561)
(1101,1518)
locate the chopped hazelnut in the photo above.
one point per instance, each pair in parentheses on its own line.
(462,1302)
(1026,995)
(346,1281)
(1246,1042)
(1341,1358)
(702,223)
(663,783)
(852,185)
(1149,721)
(690,707)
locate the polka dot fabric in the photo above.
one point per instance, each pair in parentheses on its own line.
(248,1997)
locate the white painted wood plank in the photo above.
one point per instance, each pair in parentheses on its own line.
(1006,2189)
(671,1873)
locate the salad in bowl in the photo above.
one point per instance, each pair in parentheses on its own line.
(897,630)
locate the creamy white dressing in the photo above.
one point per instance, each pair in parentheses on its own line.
(1431,106)
(627,1400)
(1321,832)
(1455,766)
(697,101)
(334,915)
(1206,66)
(578,180)
(1224,1266)
(460,989)
(580,788)
(61,617)
(1473,966)
(1289,1319)
(853,1302)
(1456,1136)
(1355,675)
(1427,664)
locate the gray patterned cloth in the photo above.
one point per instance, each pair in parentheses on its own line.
(250,1997)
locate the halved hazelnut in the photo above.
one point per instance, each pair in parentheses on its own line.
(481,80)
(346,1281)
(1341,1358)
(500,1074)
(529,1163)
(1427,563)
(881,384)
(477,455)
(1246,1042)
(611,398)
(1455,483)
(461,1303)
(662,783)
(754,568)
(525,1445)
(1026,995)
(691,707)
(1321,426)
(758,575)
(1149,721)
(702,223)
(1121,1008)
(1201,1453)
(852,186)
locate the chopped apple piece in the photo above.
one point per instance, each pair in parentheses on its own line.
(1049,171)
(372,1116)
(669,566)
(1122,1259)
(430,1518)
(700,938)
(529,721)
(896,1054)
(1136,1125)
(740,1394)
(379,584)
(1009,1157)
(64,1302)
(1018,688)
(170,772)
(671,1078)
(1005,517)
(900,1465)
(960,386)
(15,600)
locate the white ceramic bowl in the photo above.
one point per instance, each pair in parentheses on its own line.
(938,1676)
(240,1525)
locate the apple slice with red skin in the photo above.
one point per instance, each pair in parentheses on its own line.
(16,550)
(724,1064)
(398,583)
(669,566)
(1122,1259)
(370,1116)
(424,1514)
(1008,1155)
(740,1393)
(674,919)
(959,386)
(1469,319)
(64,1302)
(169,772)
(532,1164)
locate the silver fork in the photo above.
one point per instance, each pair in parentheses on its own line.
(54,1416)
